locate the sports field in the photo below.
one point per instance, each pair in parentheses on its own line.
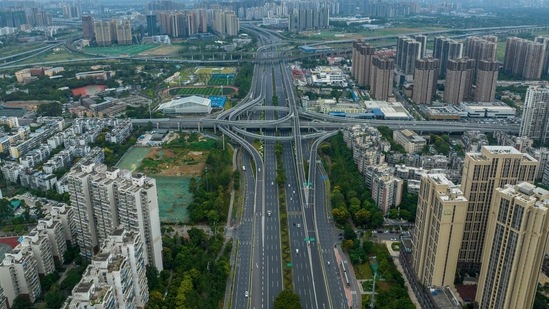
(210,71)
(201,91)
(173,191)
(173,198)
(132,158)
(218,81)
(119,49)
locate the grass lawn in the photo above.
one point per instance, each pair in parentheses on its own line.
(10,50)
(363,271)
(55,56)
(335,35)
(218,81)
(120,49)
(383,285)
(367,286)
(500,51)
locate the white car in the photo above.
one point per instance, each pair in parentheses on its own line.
(246,294)
(268,213)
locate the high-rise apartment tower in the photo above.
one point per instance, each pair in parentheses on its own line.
(459,80)
(425,80)
(487,79)
(105,198)
(438,232)
(535,114)
(493,167)
(87,27)
(381,77)
(362,62)
(514,248)
(524,58)
(446,49)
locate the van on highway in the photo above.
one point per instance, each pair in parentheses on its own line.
(243,168)
(296,251)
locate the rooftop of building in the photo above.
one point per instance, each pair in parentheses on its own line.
(452,192)
(83,286)
(412,136)
(118,232)
(3,250)
(528,192)
(444,298)
(389,109)
(499,150)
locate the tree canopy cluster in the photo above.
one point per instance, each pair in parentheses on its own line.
(192,277)
(387,133)
(287,300)
(395,295)
(350,198)
(243,79)
(211,194)
(53,109)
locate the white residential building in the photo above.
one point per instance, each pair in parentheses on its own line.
(19,275)
(65,214)
(386,192)
(119,266)
(130,245)
(39,242)
(89,295)
(3,300)
(535,124)
(106,198)
(56,236)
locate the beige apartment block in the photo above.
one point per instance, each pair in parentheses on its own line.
(493,167)
(514,247)
(409,139)
(440,221)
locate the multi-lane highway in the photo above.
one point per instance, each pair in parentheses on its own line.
(256,124)
(259,267)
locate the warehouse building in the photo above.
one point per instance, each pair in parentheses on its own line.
(187,105)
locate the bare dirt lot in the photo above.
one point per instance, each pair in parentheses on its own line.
(164,50)
(191,163)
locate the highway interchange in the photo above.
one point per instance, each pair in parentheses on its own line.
(258,266)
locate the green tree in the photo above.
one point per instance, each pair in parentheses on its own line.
(49,281)
(155,300)
(6,212)
(153,278)
(340,216)
(21,302)
(185,288)
(54,297)
(53,109)
(287,300)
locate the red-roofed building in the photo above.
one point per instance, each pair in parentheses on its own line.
(467,292)
(10,241)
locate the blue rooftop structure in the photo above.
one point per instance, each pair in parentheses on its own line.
(378,113)
(218,101)
(307,49)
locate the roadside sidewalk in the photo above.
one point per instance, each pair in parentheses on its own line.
(394,254)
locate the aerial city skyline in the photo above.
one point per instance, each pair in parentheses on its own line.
(258,154)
